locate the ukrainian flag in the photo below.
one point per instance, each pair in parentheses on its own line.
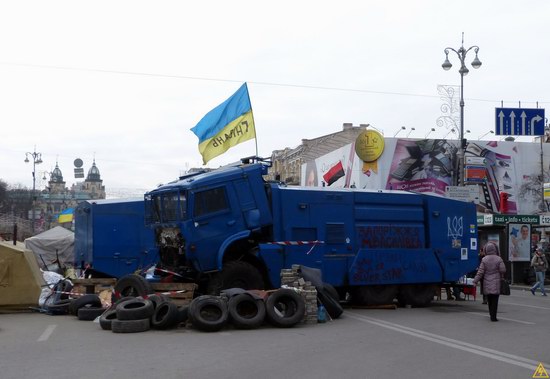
(66,216)
(225,126)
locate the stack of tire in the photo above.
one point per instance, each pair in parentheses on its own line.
(136,314)
(283,308)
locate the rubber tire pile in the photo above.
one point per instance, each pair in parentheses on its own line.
(135,308)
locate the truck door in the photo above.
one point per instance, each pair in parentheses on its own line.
(214,221)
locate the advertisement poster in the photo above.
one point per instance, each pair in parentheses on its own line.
(422,166)
(506,173)
(519,242)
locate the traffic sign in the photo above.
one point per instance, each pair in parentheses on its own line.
(519,121)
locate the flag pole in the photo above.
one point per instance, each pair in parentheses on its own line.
(254,121)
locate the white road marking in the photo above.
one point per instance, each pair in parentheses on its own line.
(524,305)
(47,333)
(455,344)
(501,318)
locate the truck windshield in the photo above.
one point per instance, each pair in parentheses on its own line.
(166,207)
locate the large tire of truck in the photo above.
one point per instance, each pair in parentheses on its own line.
(374,295)
(417,295)
(236,274)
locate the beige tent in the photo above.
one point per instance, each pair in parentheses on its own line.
(20,278)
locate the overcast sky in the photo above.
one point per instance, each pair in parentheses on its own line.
(124,81)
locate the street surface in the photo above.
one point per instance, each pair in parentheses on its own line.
(450,339)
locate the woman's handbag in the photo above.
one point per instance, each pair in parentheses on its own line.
(504,287)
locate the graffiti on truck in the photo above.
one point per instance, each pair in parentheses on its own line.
(383,267)
(389,237)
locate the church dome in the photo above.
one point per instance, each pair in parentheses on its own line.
(57,176)
(93,173)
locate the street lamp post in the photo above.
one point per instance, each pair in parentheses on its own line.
(399,130)
(36,159)
(476,63)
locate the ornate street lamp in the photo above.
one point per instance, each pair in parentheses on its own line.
(36,159)
(463,71)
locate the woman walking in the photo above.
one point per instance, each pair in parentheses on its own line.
(491,270)
(540,264)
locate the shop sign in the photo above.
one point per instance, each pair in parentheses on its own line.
(497,219)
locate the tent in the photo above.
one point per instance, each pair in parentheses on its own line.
(20,278)
(56,243)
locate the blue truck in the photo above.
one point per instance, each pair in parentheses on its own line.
(231,228)
(111,239)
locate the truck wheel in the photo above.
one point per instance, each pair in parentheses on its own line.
(208,313)
(374,295)
(236,274)
(417,295)
(132,285)
(246,312)
(135,309)
(166,316)
(285,308)
(130,326)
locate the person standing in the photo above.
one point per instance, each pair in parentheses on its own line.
(491,270)
(480,257)
(540,264)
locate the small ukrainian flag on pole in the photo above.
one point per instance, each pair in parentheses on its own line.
(66,216)
(225,126)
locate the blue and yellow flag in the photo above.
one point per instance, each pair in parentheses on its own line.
(225,126)
(66,216)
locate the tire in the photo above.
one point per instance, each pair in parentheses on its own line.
(374,295)
(130,326)
(90,300)
(135,309)
(132,285)
(106,319)
(122,300)
(157,300)
(245,312)
(285,308)
(89,313)
(331,291)
(417,295)
(60,307)
(166,316)
(333,307)
(236,274)
(208,313)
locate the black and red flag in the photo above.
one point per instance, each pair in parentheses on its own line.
(335,173)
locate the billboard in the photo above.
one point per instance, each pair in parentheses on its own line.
(506,173)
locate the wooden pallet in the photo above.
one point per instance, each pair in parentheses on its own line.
(174,291)
(102,287)
(93,285)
